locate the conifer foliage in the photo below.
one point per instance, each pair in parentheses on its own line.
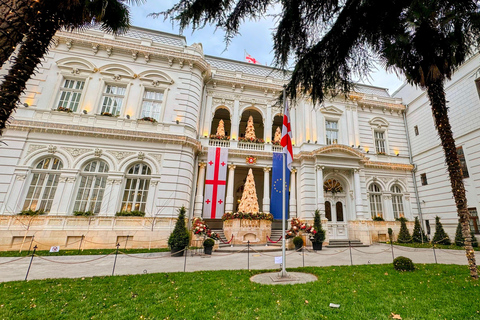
(180,237)
(418,234)
(460,240)
(404,235)
(440,236)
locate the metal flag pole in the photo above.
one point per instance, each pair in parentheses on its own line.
(284,272)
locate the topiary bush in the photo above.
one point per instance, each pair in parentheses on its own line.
(298,242)
(440,236)
(180,237)
(404,235)
(418,234)
(459,239)
(208,243)
(403,264)
(319,236)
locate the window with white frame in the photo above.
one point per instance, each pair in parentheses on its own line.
(92,186)
(136,187)
(331,129)
(70,94)
(380,142)
(375,197)
(113,99)
(43,185)
(152,104)
(397,202)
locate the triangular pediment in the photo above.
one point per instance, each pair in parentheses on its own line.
(331,110)
(340,151)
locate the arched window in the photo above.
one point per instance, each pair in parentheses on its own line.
(375,196)
(328,211)
(397,202)
(44,184)
(136,188)
(92,187)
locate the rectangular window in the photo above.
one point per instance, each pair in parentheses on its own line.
(113,100)
(331,132)
(70,94)
(423,177)
(463,162)
(397,203)
(151,105)
(380,142)
(474,220)
(416,130)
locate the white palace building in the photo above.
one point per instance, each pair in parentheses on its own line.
(379,153)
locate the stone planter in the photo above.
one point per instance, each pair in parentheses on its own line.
(244,230)
(317,246)
(207,250)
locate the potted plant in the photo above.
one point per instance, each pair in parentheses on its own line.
(318,234)
(208,246)
(180,237)
(298,242)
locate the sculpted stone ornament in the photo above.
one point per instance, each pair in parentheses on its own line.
(249,202)
(250,131)
(221,129)
(278,135)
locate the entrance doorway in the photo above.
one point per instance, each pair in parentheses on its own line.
(335,208)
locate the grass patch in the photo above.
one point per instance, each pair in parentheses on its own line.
(429,245)
(77,252)
(364,292)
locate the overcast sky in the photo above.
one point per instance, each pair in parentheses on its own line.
(255,38)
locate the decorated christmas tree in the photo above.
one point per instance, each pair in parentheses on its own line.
(404,235)
(418,234)
(249,202)
(278,135)
(221,129)
(440,236)
(250,131)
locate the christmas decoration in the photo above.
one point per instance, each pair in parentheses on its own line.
(418,234)
(250,130)
(221,129)
(278,137)
(249,202)
(404,235)
(251,160)
(440,236)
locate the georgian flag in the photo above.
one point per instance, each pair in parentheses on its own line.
(250,59)
(286,141)
(214,200)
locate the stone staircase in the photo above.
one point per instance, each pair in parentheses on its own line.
(222,235)
(276,234)
(345,243)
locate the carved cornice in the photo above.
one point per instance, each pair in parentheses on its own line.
(98,132)
(388,166)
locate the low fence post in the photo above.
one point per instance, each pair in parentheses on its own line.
(350,247)
(248,255)
(81,241)
(434,254)
(115,261)
(391,245)
(185,261)
(303,255)
(31,242)
(126,241)
(31,260)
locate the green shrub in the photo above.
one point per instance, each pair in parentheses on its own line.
(390,234)
(378,218)
(402,219)
(298,241)
(180,237)
(31,212)
(318,237)
(403,264)
(418,234)
(459,239)
(83,213)
(440,236)
(133,213)
(208,243)
(404,235)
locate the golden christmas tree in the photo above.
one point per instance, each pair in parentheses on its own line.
(221,129)
(249,202)
(278,135)
(250,131)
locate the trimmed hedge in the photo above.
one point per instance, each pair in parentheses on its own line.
(403,264)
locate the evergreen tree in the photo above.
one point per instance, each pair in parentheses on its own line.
(180,237)
(440,236)
(459,239)
(474,240)
(404,235)
(418,234)
(319,237)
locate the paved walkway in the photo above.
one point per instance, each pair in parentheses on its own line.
(88,266)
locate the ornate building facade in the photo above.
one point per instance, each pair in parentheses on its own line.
(123,123)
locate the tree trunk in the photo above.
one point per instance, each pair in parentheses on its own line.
(436,95)
(34,47)
(15,16)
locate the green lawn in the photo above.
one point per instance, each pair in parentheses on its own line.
(364,292)
(429,245)
(77,252)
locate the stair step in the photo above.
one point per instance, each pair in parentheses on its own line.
(341,243)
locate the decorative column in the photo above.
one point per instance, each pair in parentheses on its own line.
(358,195)
(15,199)
(229,199)
(66,196)
(235,134)
(387,207)
(150,207)
(200,186)
(266,189)
(293,194)
(320,196)
(111,195)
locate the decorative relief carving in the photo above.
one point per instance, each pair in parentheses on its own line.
(170,61)
(141,156)
(71,179)
(76,152)
(119,155)
(223,101)
(117,77)
(156,156)
(180,62)
(95,48)
(232,167)
(52,149)
(267,169)
(34,147)
(62,179)
(202,164)
(134,55)
(69,43)
(98,152)
(109,51)
(147,57)
(20,177)
(154,182)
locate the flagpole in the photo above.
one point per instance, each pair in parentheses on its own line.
(284,272)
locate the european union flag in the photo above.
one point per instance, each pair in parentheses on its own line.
(276,198)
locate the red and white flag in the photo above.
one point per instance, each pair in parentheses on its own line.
(286,141)
(214,200)
(250,59)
